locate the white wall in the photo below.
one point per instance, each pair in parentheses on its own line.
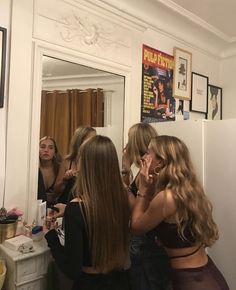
(227,76)
(192,133)
(202,62)
(118,48)
(5,16)
(220,185)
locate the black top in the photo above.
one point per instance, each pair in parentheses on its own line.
(168,234)
(75,253)
(42,190)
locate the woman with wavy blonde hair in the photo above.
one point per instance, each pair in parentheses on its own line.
(172,204)
(95,255)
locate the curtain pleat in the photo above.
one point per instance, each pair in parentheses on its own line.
(63,112)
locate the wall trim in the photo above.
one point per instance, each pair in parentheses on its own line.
(142,23)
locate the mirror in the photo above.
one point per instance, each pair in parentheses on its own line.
(75,95)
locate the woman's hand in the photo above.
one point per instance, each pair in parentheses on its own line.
(126,164)
(147,181)
(69,174)
(61,209)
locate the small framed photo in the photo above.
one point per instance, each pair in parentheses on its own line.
(3,33)
(214,103)
(182,74)
(199,93)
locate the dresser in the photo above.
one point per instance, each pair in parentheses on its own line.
(26,271)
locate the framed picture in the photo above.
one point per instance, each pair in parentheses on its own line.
(199,93)
(214,103)
(157,101)
(182,74)
(3,33)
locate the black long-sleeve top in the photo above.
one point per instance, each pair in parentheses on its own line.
(75,253)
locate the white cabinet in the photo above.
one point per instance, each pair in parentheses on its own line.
(26,271)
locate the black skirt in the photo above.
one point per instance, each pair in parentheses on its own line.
(116,280)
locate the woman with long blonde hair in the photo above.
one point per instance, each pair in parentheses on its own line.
(145,273)
(95,255)
(172,204)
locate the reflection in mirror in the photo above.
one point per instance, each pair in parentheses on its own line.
(74,95)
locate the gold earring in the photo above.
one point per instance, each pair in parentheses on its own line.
(155,170)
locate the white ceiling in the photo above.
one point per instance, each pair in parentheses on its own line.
(217,16)
(53,67)
(209,25)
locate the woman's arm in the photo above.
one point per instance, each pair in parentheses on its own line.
(150,208)
(69,257)
(126,164)
(148,212)
(61,178)
(131,197)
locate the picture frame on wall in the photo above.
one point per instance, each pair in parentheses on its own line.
(182,74)
(3,33)
(199,93)
(214,103)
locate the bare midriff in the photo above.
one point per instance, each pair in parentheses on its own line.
(197,259)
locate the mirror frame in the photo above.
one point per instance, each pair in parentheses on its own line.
(74,57)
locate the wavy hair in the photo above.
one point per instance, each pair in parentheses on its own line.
(107,211)
(193,207)
(139,137)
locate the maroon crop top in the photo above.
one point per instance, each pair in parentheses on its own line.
(168,235)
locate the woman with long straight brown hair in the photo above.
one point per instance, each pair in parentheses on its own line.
(96,255)
(68,170)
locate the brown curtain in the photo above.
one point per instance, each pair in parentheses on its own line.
(63,112)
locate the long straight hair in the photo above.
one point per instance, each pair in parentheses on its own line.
(139,137)
(79,136)
(193,207)
(107,213)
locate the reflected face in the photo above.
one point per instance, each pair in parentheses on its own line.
(46,150)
